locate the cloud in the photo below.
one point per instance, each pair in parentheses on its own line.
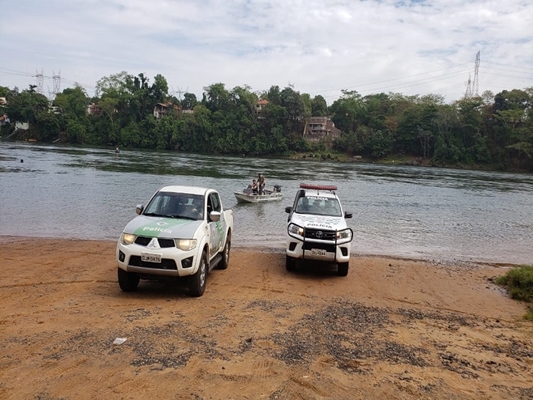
(410,47)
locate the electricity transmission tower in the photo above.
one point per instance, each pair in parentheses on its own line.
(468,92)
(475,83)
(180,92)
(472,87)
(40,78)
(56,79)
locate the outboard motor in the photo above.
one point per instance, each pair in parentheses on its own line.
(277,188)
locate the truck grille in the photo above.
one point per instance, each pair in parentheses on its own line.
(163,243)
(320,234)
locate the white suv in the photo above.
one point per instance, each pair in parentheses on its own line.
(317,228)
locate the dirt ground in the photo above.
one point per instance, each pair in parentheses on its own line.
(391,329)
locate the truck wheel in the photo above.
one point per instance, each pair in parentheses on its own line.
(290,264)
(127,281)
(342,268)
(223,264)
(198,280)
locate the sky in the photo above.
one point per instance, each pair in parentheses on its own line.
(411,47)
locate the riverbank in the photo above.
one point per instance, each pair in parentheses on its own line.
(402,160)
(393,328)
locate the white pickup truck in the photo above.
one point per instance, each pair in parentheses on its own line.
(317,228)
(182,232)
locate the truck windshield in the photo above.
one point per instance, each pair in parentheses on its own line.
(319,206)
(176,205)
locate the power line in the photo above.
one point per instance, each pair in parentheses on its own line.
(419,82)
(527,75)
(509,66)
(11,72)
(397,79)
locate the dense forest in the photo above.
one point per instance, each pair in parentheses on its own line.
(489,131)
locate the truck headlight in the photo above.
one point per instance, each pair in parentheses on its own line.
(127,238)
(345,235)
(296,230)
(185,244)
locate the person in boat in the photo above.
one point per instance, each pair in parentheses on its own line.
(117,150)
(261,183)
(254,187)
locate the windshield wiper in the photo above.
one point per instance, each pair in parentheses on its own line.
(154,215)
(182,216)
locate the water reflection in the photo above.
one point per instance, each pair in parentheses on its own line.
(404,211)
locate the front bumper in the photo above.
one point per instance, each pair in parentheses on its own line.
(318,244)
(174,262)
(318,250)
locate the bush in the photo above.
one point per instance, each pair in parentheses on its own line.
(519,283)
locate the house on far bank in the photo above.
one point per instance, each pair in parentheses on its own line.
(161,109)
(94,109)
(22,126)
(259,106)
(317,128)
(53,109)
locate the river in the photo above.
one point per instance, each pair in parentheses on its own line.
(401,211)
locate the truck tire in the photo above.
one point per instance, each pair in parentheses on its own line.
(198,280)
(290,263)
(128,281)
(223,264)
(342,268)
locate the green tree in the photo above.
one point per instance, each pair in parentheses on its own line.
(201,136)
(76,131)
(109,104)
(274,95)
(319,107)
(512,128)
(4,91)
(48,125)
(113,85)
(348,111)
(216,97)
(72,102)
(377,144)
(26,106)
(293,103)
(243,96)
(189,101)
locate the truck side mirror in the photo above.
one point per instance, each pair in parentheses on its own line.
(139,209)
(288,210)
(214,216)
(347,214)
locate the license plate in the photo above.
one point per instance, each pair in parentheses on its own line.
(150,257)
(318,252)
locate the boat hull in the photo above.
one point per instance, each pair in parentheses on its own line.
(256,198)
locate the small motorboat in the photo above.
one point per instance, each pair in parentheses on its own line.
(248,196)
